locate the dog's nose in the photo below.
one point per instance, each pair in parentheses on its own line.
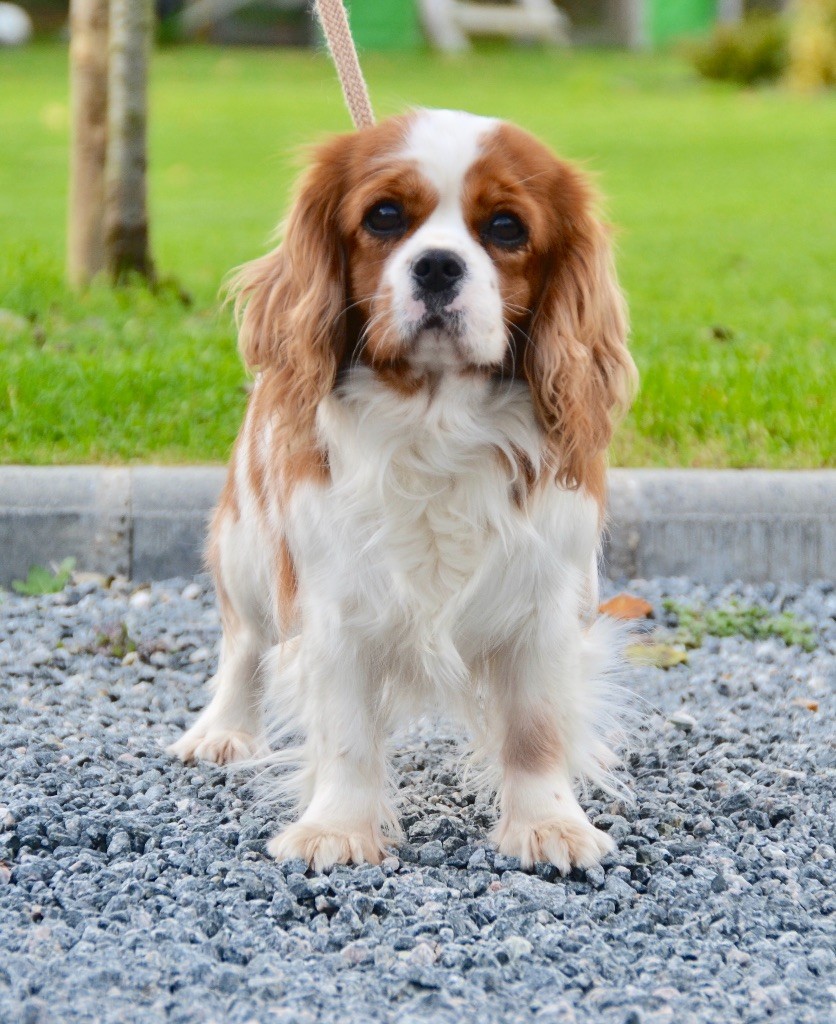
(437,270)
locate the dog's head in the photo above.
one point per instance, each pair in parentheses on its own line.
(441,242)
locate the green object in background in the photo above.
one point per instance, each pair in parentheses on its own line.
(669,20)
(384,24)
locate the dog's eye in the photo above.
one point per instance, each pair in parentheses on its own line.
(385,219)
(506,230)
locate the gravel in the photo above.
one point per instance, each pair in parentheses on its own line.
(133,888)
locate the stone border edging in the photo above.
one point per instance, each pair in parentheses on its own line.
(148,522)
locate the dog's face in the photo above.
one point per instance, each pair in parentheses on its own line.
(445,233)
(442,242)
(449,230)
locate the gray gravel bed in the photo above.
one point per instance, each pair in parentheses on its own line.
(135,889)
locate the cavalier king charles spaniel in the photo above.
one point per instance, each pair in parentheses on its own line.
(413,513)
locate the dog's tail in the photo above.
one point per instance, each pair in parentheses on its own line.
(606,713)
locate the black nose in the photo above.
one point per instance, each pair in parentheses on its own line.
(437,270)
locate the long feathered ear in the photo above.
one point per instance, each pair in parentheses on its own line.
(577,363)
(289,304)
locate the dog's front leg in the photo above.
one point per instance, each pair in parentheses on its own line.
(538,687)
(347,806)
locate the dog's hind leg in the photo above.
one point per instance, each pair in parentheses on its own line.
(230,728)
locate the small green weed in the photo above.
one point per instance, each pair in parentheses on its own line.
(43,581)
(695,622)
(116,642)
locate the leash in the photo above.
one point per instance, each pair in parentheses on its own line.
(334,20)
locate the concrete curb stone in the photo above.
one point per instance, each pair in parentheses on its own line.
(721,525)
(149,522)
(170,510)
(48,513)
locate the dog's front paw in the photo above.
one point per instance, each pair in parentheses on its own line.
(323,846)
(566,842)
(223,746)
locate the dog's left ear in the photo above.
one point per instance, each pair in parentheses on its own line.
(577,363)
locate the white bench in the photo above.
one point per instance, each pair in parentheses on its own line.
(450,23)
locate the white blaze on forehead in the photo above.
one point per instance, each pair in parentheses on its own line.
(445,144)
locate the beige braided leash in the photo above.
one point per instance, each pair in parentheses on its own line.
(334,21)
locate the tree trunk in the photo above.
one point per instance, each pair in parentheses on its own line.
(126,216)
(629,20)
(88,92)
(731,10)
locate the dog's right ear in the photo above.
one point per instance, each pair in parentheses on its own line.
(290,304)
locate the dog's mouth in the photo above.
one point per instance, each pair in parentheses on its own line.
(433,322)
(439,322)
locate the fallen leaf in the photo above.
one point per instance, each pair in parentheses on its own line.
(805,702)
(659,655)
(627,606)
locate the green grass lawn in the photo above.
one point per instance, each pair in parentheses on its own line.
(724,201)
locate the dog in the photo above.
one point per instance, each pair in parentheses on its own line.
(414,507)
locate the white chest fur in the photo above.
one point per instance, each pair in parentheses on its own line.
(418,541)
